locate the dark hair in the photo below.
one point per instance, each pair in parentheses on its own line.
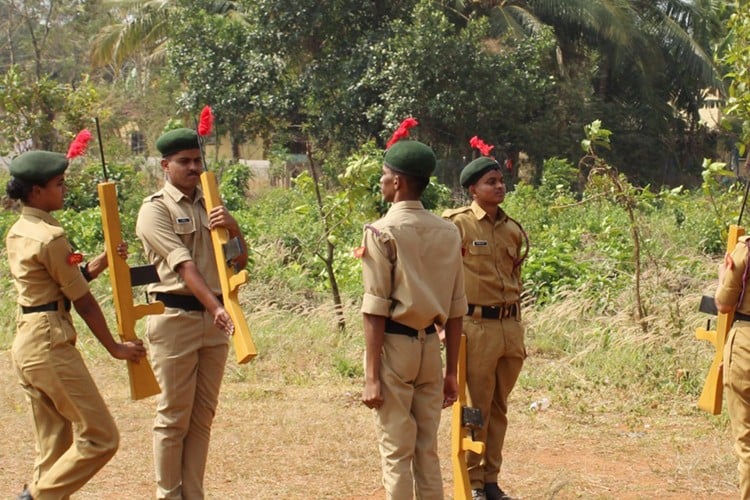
(18,189)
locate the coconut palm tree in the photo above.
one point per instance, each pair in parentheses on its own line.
(139,34)
(632,37)
(648,63)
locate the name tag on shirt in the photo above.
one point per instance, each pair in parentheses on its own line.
(183,220)
(479,243)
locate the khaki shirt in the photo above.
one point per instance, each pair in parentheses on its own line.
(38,257)
(411,267)
(174,230)
(731,285)
(490,253)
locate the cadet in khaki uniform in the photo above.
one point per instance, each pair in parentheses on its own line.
(75,433)
(189,342)
(492,244)
(412,281)
(732,295)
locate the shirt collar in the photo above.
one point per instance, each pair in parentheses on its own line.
(178,195)
(480,214)
(41,214)
(406,205)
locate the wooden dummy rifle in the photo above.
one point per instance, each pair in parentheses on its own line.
(713,389)
(225,250)
(231,280)
(142,381)
(464,421)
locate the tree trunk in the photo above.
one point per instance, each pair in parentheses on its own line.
(329,257)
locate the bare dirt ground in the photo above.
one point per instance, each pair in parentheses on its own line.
(289,441)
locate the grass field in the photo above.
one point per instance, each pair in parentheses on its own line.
(621,421)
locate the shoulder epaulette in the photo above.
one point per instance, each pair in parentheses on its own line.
(447,214)
(154,196)
(372,228)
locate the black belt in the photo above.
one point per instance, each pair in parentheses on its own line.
(51,306)
(401,329)
(495,312)
(741,317)
(184,302)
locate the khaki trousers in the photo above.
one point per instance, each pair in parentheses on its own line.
(411,380)
(188,354)
(737,386)
(494,357)
(75,433)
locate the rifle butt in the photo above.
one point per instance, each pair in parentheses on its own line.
(713,391)
(142,380)
(461,482)
(244,347)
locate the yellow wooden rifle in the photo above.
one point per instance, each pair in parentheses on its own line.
(713,390)
(142,381)
(464,421)
(225,250)
(230,278)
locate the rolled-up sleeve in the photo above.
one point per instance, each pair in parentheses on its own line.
(377,274)
(459,303)
(67,275)
(731,284)
(154,228)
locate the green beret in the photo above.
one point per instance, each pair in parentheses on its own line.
(476,169)
(177,140)
(411,158)
(37,167)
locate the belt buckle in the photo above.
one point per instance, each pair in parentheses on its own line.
(476,312)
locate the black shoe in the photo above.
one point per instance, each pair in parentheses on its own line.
(493,492)
(25,494)
(478,494)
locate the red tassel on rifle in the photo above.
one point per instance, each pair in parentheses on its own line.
(477,143)
(402,131)
(206,122)
(78,146)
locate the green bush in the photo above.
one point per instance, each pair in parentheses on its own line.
(233,185)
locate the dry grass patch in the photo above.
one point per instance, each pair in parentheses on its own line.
(290,424)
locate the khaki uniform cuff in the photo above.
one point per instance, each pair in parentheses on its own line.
(459,307)
(727,296)
(76,288)
(376,306)
(177,257)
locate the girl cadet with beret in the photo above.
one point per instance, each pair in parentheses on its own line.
(75,433)
(404,298)
(492,245)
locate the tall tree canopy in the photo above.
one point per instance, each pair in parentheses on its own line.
(525,74)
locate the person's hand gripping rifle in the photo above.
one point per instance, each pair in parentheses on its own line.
(226,250)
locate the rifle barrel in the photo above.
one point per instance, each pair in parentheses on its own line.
(101,149)
(744,198)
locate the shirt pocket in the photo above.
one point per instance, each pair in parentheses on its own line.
(479,250)
(508,258)
(184,226)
